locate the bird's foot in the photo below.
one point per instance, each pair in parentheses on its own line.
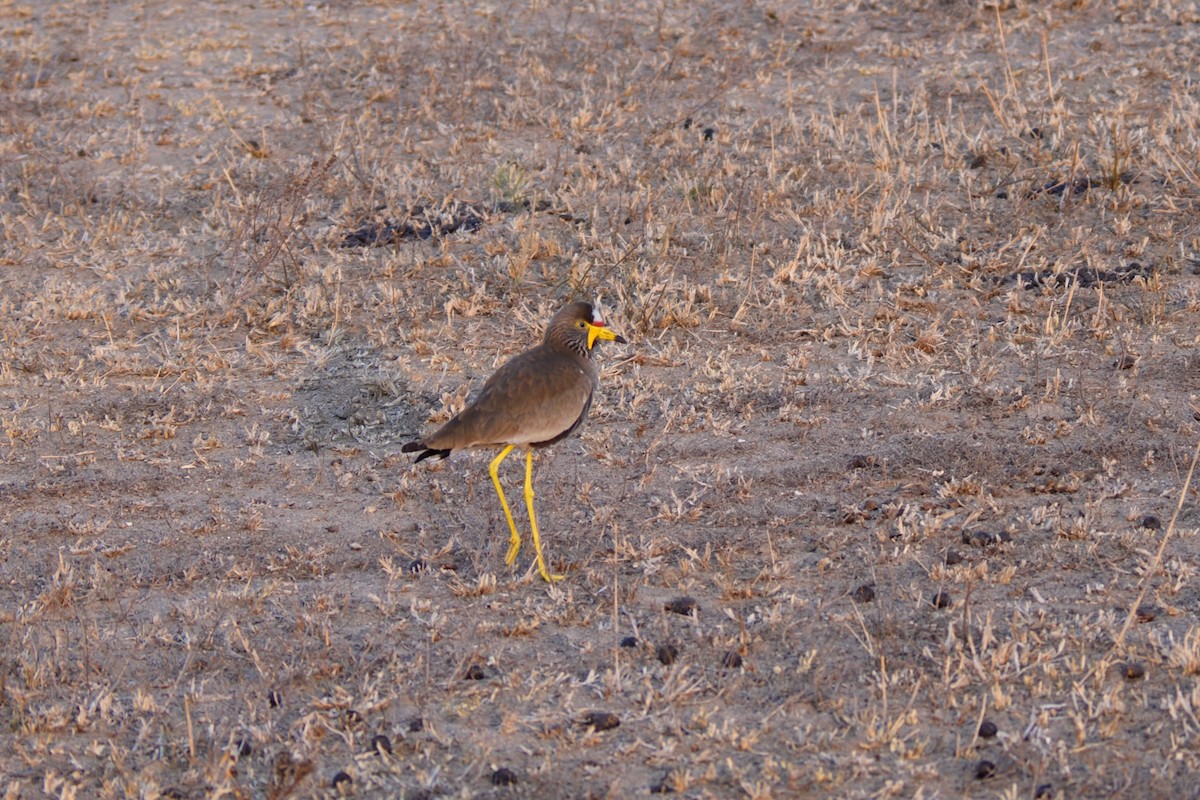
(548,577)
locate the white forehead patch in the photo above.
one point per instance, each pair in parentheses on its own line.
(596,318)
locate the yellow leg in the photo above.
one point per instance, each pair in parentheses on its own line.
(515,542)
(537,545)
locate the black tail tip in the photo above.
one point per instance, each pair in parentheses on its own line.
(427,452)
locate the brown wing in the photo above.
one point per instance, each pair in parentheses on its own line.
(536,398)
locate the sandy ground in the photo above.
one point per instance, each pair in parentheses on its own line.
(888,495)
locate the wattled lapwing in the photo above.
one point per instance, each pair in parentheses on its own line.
(536,399)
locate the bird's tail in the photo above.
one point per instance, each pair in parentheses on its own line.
(425,450)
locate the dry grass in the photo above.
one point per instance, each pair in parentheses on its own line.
(909,403)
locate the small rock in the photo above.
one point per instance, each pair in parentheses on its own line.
(940,600)
(863,594)
(504,777)
(667,653)
(984,769)
(342,779)
(416,725)
(665,786)
(686,606)
(953,557)
(1151,523)
(629,641)
(274,699)
(985,538)
(709,133)
(987,729)
(731,660)
(852,515)
(381,744)
(474,673)
(858,462)
(1134,671)
(601,720)
(417,566)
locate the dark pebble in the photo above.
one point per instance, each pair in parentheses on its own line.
(1147,612)
(342,777)
(1061,186)
(858,462)
(274,699)
(474,673)
(987,729)
(985,769)
(601,720)
(243,748)
(416,725)
(986,538)
(687,123)
(1151,523)
(953,557)
(504,777)
(940,600)
(1043,792)
(979,161)
(381,744)
(667,653)
(1126,361)
(683,605)
(629,641)
(663,787)
(864,593)
(171,793)
(731,660)
(1134,671)
(417,566)
(1001,195)
(709,133)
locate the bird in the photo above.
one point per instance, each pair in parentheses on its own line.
(536,399)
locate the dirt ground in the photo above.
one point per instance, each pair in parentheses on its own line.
(887,495)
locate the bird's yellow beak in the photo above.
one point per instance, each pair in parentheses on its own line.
(600,332)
